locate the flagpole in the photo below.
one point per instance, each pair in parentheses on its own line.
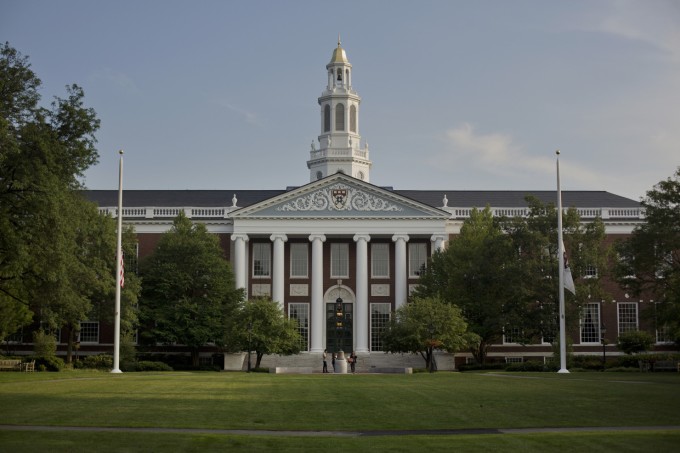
(560,255)
(119,256)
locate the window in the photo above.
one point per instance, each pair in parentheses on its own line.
(16,337)
(590,323)
(417,253)
(590,271)
(628,316)
(89,332)
(353,118)
(327,118)
(130,260)
(262,259)
(514,360)
(340,117)
(512,335)
(380,260)
(298,260)
(300,313)
(339,260)
(380,318)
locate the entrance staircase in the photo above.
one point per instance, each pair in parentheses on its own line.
(373,362)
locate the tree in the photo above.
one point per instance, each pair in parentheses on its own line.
(501,273)
(423,326)
(650,258)
(262,327)
(51,238)
(189,293)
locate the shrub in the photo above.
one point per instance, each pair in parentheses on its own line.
(530,365)
(634,341)
(145,365)
(44,344)
(99,362)
(52,363)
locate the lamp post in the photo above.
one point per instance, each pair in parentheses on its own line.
(603,331)
(250,334)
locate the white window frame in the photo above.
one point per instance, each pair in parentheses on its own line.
(592,309)
(380,258)
(262,255)
(339,260)
(303,330)
(623,318)
(299,259)
(417,258)
(89,327)
(379,309)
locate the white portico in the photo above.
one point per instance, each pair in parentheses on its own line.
(333,237)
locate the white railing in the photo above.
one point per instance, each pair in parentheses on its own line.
(339,152)
(584,213)
(154,212)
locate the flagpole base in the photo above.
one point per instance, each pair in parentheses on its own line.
(563,371)
(116,370)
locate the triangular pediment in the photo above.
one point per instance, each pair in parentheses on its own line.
(340,196)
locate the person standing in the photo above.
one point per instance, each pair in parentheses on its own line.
(325,362)
(333,361)
(353,361)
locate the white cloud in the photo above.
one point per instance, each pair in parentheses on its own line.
(248,117)
(656,23)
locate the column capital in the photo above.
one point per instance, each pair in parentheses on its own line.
(236,236)
(362,237)
(439,237)
(400,236)
(278,236)
(314,236)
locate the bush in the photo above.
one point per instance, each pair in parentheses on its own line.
(44,344)
(634,341)
(486,366)
(48,363)
(146,365)
(530,365)
(99,362)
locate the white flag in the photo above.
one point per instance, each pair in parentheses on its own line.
(567,279)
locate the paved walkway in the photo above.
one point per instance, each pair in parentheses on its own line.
(420,432)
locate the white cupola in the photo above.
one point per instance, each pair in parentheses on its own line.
(340,148)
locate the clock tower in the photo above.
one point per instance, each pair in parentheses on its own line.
(340,149)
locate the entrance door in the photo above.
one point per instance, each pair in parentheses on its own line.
(339,330)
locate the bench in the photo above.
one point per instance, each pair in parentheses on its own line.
(10,365)
(664,365)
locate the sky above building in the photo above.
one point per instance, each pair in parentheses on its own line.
(456,95)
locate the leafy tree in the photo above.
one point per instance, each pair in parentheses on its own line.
(425,325)
(650,258)
(54,245)
(262,327)
(500,272)
(189,293)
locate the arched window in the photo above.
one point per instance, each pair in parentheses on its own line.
(327,118)
(353,118)
(340,117)
(339,75)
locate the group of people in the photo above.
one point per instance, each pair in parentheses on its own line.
(352,360)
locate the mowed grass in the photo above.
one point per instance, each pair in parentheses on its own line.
(338,403)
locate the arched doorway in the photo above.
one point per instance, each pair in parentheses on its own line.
(339,303)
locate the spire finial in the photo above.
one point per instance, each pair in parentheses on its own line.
(338,39)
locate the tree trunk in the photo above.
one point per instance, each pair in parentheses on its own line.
(194,358)
(258,359)
(69,344)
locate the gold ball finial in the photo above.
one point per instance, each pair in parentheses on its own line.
(557,152)
(120,151)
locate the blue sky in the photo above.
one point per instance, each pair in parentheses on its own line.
(456,95)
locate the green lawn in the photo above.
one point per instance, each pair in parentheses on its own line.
(338,403)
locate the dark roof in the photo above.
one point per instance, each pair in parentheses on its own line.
(516,198)
(434,198)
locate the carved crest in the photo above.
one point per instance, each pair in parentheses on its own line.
(339,197)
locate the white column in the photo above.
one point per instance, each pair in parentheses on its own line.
(317,308)
(278,290)
(240,266)
(361,307)
(400,280)
(439,241)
